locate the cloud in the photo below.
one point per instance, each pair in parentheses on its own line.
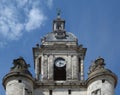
(35,19)
(18,17)
(49,3)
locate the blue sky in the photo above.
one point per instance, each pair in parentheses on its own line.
(96,23)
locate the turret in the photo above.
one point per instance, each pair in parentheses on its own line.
(19,80)
(101,81)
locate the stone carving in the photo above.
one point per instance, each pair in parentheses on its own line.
(96,65)
(20,64)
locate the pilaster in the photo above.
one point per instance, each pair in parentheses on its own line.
(69,68)
(82,69)
(74,67)
(37,68)
(45,67)
(50,67)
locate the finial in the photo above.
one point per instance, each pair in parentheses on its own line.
(58,13)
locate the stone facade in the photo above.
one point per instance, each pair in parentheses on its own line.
(59,69)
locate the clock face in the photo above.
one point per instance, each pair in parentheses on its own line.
(60,62)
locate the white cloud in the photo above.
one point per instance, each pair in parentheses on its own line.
(17,17)
(35,19)
(10,28)
(16,31)
(49,3)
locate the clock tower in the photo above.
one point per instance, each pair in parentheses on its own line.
(59,57)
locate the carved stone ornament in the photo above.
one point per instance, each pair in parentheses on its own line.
(20,64)
(96,65)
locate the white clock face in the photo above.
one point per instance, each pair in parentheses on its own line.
(60,62)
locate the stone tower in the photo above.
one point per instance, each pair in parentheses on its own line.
(101,81)
(59,69)
(19,80)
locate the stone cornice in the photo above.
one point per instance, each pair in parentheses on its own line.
(15,74)
(102,75)
(65,84)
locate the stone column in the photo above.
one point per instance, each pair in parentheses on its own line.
(50,67)
(69,68)
(42,69)
(45,67)
(75,68)
(37,68)
(82,69)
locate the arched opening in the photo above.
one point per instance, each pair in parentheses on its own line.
(79,68)
(59,69)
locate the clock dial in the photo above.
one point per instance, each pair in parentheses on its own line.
(60,63)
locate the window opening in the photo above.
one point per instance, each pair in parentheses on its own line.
(50,92)
(79,65)
(27,92)
(96,92)
(103,80)
(19,81)
(59,69)
(69,92)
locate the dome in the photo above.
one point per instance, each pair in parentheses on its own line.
(51,37)
(59,33)
(98,69)
(20,69)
